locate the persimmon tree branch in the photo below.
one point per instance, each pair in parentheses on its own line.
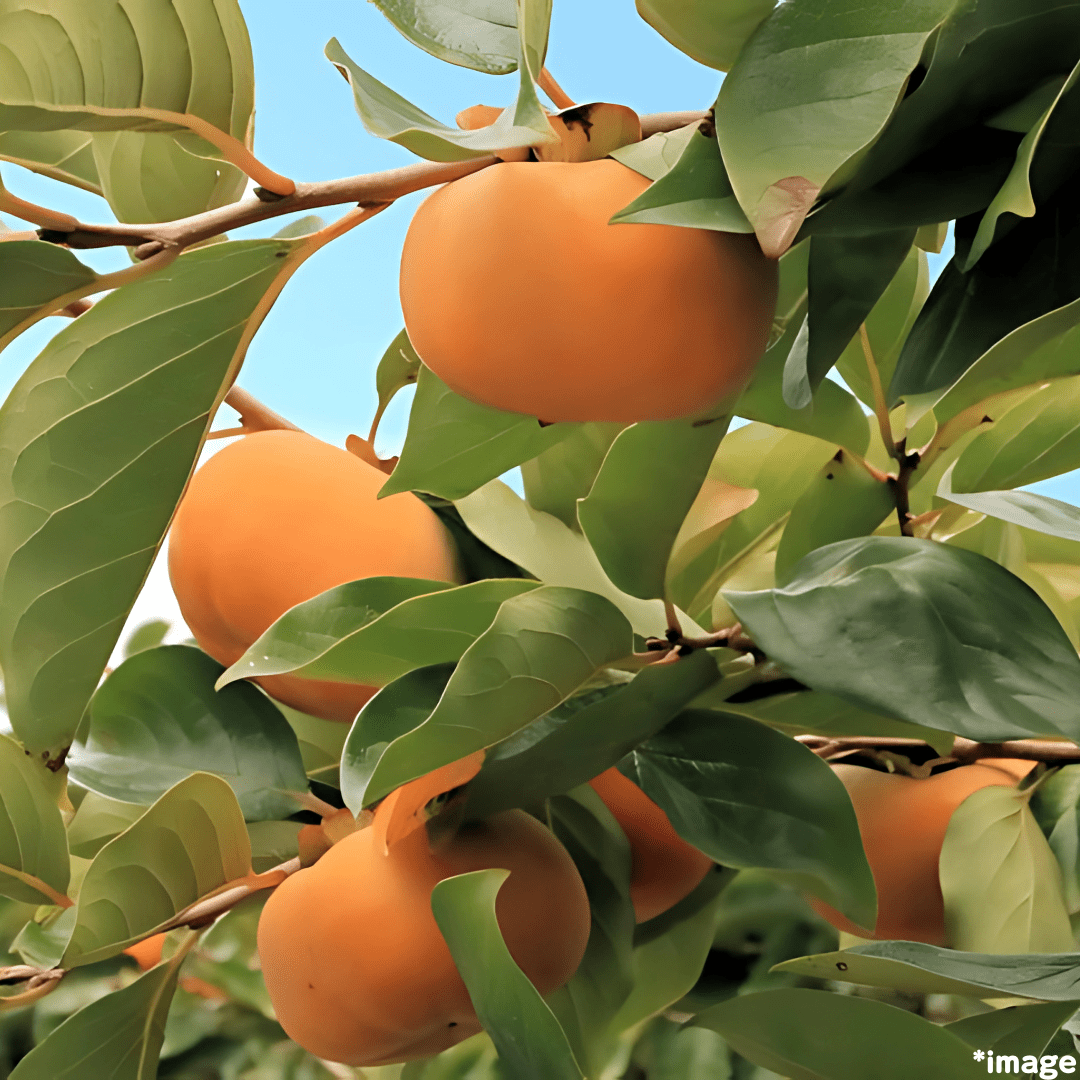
(254,416)
(964,750)
(369,189)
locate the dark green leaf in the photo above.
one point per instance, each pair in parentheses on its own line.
(189,843)
(695,193)
(641,495)
(477,34)
(935,660)
(374,630)
(157,718)
(105,426)
(583,737)
(34,274)
(478,562)
(749,796)
(393,712)
(531,1044)
(454,446)
(541,647)
(783,1030)
(928,969)
(117,1037)
(1017,1029)
(712,36)
(1055,806)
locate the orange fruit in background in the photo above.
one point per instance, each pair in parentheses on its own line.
(665,868)
(276,518)
(147,953)
(355,964)
(518,294)
(902,821)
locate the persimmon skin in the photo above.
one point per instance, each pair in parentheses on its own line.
(276,518)
(664,868)
(902,821)
(147,953)
(518,294)
(354,961)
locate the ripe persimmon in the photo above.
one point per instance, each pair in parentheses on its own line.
(902,821)
(664,867)
(518,294)
(147,953)
(354,961)
(276,518)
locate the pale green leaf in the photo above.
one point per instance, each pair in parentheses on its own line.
(67,156)
(711,33)
(32,275)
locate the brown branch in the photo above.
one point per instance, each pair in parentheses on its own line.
(254,415)
(559,97)
(369,189)
(899,485)
(964,751)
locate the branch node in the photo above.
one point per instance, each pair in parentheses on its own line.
(267,196)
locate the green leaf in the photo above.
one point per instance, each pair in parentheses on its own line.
(710,34)
(841,502)
(399,708)
(97,821)
(477,34)
(583,737)
(105,426)
(782,1030)
(147,635)
(157,718)
(848,277)
(812,88)
(1034,440)
(477,561)
(540,648)
(200,64)
(189,843)
(398,368)
(809,711)
(1002,886)
(564,473)
(33,847)
(642,494)
(374,630)
(935,660)
(34,274)
(119,1036)
(695,193)
(927,969)
(1024,508)
(531,1044)
(1017,1029)
(1015,196)
(67,156)
(749,796)
(390,116)
(658,154)
(1055,806)
(550,551)
(966,315)
(454,446)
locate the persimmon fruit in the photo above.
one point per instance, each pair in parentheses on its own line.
(354,961)
(664,867)
(276,518)
(902,821)
(518,294)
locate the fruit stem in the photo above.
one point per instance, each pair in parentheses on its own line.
(254,416)
(559,97)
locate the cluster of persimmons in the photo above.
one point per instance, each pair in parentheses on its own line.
(519,295)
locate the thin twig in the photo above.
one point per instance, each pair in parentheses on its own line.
(254,415)
(900,483)
(559,97)
(964,750)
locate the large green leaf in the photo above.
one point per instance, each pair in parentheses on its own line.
(783,1030)
(712,33)
(812,88)
(531,1044)
(927,969)
(390,116)
(641,496)
(454,446)
(1013,1030)
(658,154)
(33,274)
(1002,886)
(33,847)
(1056,806)
(749,796)
(189,843)
(157,718)
(97,441)
(373,630)
(551,551)
(97,820)
(934,659)
(116,1037)
(586,735)
(695,193)
(541,647)
(477,34)
(67,156)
